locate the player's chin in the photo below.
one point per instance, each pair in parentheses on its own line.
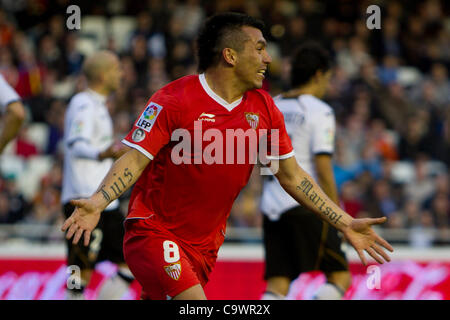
(258,83)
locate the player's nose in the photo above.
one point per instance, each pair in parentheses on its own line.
(267,59)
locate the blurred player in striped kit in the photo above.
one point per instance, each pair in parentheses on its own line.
(295,239)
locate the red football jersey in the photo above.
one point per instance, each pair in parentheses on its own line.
(182,189)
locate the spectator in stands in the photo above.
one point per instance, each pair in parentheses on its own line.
(350,199)
(422,186)
(14,207)
(24,147)
(55,121)
(73,58)
(4,208)
(381,201)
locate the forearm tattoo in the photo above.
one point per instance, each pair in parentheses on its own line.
(119,185)
(307,188)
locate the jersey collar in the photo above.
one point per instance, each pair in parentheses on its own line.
(216,97)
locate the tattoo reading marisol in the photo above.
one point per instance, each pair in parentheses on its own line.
(306,186)
(117,185)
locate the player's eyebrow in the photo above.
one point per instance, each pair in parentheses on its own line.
(261,41)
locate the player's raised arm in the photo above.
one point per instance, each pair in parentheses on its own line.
(13,113)
(122,175)
(307,192)
(13,119)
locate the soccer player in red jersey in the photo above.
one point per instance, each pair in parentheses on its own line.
(186,185)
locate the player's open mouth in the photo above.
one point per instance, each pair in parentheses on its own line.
(262,72)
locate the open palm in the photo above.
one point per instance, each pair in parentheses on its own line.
(362,237)
(84,219)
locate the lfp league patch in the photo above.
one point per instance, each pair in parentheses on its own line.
(148,117)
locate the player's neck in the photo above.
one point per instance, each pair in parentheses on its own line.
(307,89)
(99,88)
(223,85)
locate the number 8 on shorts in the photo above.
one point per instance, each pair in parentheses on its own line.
(171,253)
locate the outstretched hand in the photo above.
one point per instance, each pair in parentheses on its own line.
(362,237)
(84,219)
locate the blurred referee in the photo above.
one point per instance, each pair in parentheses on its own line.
(13,113)
(89,151)
(295,239)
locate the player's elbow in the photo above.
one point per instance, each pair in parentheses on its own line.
(288,171)
(287,178)
(284,178)
(17,111)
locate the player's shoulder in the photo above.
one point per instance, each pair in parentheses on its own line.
(284,103)
(173,94)
(2,80)
(260,93)
(80,101)
(260,97)
(316,105)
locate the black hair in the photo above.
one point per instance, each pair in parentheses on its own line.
(306,61)
(221,31)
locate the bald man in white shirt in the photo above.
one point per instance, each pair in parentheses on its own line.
(89,152)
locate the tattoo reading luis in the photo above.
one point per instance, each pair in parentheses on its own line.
(116,188)
(305,187)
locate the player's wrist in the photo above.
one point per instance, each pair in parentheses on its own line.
(344,223)
(98,202)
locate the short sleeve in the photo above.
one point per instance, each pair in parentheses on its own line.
(154,127)
(81,124)
(279,143)
(7,94)
(324,129)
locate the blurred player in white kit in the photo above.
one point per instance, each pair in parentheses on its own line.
(89,152)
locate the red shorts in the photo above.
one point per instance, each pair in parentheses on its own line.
(162,264)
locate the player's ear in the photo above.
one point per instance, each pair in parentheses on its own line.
(230,56)
(318,76)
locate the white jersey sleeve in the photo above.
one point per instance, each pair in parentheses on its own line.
(323,128)
(80,125)
(7,94)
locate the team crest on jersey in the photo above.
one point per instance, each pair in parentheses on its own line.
(148,117)
(252,119)
(173,270)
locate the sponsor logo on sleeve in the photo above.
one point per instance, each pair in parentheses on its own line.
(148,117)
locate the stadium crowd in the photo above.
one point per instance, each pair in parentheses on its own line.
(390,92)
